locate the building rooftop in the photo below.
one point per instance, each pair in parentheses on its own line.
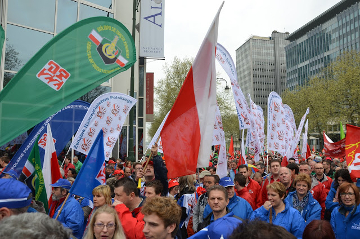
(322,18)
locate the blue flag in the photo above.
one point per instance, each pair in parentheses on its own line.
(64,124)
(92,173)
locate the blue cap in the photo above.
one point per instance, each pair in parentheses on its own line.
(14,194)
(226,182)
(223,227)
(13,174)
(62,183)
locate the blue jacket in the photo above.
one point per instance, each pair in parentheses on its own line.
(71,216)
(290,219)
(312,210)
(329,204)
(220,226)
(239,206)
(345,227)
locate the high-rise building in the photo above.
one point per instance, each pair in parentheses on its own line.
(313,46)
(30,24)
(261,66)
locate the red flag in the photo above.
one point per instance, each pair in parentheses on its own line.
(308,152)
(313,149)
(187,132)
(352,150)
(51,169)
(231,148)
(284,162)
(334,150)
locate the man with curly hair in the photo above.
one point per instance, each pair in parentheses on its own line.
(162,218)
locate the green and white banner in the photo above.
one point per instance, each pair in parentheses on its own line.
(71,64)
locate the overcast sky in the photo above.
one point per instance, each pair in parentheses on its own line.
(187,21)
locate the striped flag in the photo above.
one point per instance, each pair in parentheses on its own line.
(51,169)
(187,132)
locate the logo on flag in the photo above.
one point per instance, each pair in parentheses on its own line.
(53,75)
(107,49)
(42,141)
(100,177)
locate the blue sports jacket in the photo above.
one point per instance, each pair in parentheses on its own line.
(345,227)
(312,210)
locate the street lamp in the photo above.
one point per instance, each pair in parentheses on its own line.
(227,88)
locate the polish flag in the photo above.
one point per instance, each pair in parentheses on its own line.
(51,170)
(187,132)
(95,37)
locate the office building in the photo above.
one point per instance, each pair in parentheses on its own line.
(261,66)
(317,43)
(30,24)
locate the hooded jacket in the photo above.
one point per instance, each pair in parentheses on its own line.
(71,216)
(290,219)
(345,227)
(237,205)
(312,210)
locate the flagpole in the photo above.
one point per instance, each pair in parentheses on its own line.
(62,206)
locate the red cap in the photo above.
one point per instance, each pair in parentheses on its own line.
(118,171)
(111,162)
(150,163)
(173,183)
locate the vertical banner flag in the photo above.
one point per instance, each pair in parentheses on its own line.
(64,124)
(243,155)
(290,152)
(152,20)
(33,177)
(342,134)
(304,144)
(107,113)
(92,173)
(231,148)
(333,150)
(219,139)
(189,126)
(242,108)
(157,137)
(352,150)
(276,124)
(71,64)
(50,169)
(257,134)
(290,127)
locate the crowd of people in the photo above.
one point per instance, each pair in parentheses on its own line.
(309,198)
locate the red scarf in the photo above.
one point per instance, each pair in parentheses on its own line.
(54,205)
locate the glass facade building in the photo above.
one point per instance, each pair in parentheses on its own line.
(313,46)
(30,24)
(261,66)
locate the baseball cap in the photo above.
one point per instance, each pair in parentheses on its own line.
(14,194)
(226,182)
(150,163)
(223,227)
(12,173)
(173,183)
(118,171)
(111,162)
(62,183)
(204,173)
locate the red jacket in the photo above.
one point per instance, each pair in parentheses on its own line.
(132,222)
(319,192)
(244,193)
(327,181)
(254,190)
(263,194)
(66,168)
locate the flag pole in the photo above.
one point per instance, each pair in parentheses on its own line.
(62,206)
(147,162)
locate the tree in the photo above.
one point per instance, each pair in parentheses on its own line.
(167,90)
(332,96)
(12,62)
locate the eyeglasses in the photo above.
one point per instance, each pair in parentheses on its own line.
(348,194)
(102,225)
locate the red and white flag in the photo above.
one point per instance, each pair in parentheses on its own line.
(352,150)
(51,169)
(187,132)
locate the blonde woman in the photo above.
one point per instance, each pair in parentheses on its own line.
(105,224)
